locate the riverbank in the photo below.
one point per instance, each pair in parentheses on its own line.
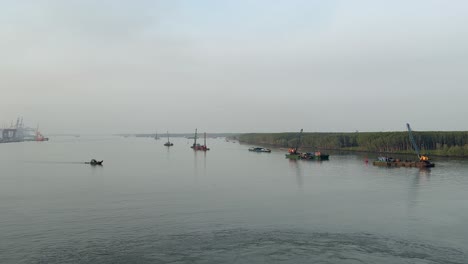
(434,143)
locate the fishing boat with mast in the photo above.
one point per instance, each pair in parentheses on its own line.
(294,154)
(423,160)
(168,143)
(196,146)
(156,136)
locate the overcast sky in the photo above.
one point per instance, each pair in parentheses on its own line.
(90,66)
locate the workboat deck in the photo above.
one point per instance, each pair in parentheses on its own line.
(397,163)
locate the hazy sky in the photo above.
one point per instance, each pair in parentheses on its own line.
(90,66)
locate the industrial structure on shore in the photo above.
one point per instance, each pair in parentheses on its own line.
(18,132)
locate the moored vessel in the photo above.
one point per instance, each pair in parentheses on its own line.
(391,162)
(197,146)
(259,149)
(423,160)
(168,143)
(294,154)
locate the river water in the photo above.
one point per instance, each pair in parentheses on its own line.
(153,204)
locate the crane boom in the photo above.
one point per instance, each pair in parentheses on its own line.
(422,158)
(413,142)
(298,140)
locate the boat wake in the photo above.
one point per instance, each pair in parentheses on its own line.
(247,246)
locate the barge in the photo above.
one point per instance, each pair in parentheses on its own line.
(307,156)
(390,162)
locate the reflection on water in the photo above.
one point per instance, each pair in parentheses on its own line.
(196,159)
(168,153)
(423,175)
(204,160)
(419,179)
(296,167)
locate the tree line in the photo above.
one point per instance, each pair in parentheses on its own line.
(440,143)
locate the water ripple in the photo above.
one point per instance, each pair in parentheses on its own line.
(249,246)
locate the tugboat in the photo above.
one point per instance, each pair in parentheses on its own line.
(423,160)
(196,146)
(295,155)
(168,143)
(259,149)
(39,136)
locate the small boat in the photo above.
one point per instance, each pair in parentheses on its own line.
(94,162)
(259,149)
(168,143)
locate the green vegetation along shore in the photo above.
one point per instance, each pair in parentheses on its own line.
(435,143)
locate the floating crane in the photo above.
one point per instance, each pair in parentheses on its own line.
(298,143)
(294,154)
(391,162)
(196,146)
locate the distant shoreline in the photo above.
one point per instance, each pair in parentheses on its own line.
(436,143)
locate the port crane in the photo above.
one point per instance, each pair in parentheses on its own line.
(415,146)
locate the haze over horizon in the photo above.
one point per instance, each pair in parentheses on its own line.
(99,67)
